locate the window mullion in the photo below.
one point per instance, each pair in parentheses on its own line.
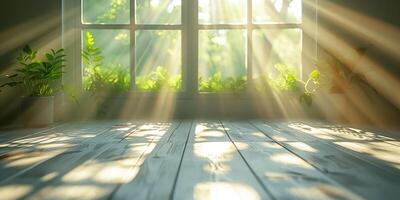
(158,27)
(78,74)
(184,45)
(249,47)
(71,42)
(221,26)
(276,26)
(191,42)
(132,46)
(105,26)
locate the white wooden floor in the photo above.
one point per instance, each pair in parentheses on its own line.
(222,160)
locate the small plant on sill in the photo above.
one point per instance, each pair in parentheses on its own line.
(286,80)
(310,87)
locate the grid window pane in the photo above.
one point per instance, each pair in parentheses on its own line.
(222,60)
(158,60)
(106,11)
(158,11)
(158,53)
(276,51)
(267,11)
(222,11)
(106,60)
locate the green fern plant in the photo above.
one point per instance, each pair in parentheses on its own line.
(97,77)
(39,78)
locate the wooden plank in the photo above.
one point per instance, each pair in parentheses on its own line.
(9,135)
(347,133)
(53,169)
(116,162)
(77,145)
(99,176)
(24,158)
(381,154)
(182,134)
(153,132)
(388,136)
(370,146)
(30,135)
(362,178)
(284,174)
(242,131)
(156,176)
(208,131)
(214,170)
(56,134)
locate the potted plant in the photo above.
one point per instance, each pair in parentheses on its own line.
(39,80)
(290,92)
(287,82)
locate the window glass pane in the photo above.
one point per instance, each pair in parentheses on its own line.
(106,11)
(106,61)
(222,11)
(265,11)
(158,11)
(158,60)
(222,60)
(276,56)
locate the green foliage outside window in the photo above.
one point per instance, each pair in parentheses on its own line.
(115,78)
(222,60)
(97,77)
(157,80)
(114,11)
(216,83)
(286,80)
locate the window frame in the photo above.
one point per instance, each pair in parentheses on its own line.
(189,28)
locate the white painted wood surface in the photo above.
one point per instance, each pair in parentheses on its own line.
(192,159)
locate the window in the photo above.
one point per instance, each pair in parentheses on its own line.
(197,46)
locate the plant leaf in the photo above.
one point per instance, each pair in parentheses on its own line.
(314,75)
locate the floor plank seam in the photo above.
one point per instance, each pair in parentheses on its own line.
(27,136)
(359,156)
(358,134)
(131,131)
(172,195)
(248,165)
(36,133)
(169,138)
(37,164)
(115,190)
(322,171)
(160,156)
(57,178)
